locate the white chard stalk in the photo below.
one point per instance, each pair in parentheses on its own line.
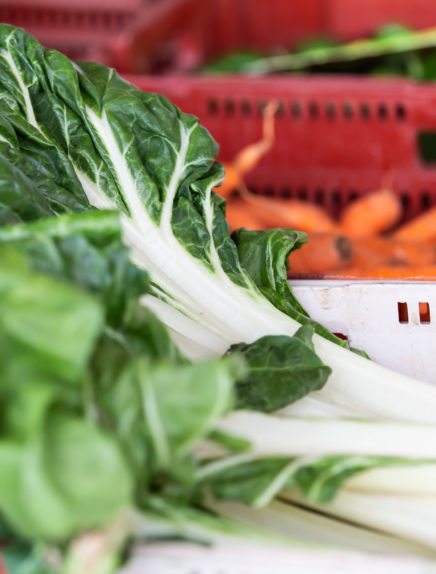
(410,517)
(278,436)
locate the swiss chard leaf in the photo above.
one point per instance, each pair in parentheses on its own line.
(181,405)
(79,132)
(254,481)
(46,327)
(281,370)
(46,491)
(265,257)
(48,330)
(257,480)
(320,480)
(84,249)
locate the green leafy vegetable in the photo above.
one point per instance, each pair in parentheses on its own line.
(111,235)
(256,480)
(394,50)
(47,331)
(22,558)
(265,257)
(281,371)
(92,388)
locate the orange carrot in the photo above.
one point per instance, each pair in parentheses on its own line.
(239,213)
(371,214)
(422,227)
(387,251)
(275,212)
(322,254)
(293,213)
(249,156)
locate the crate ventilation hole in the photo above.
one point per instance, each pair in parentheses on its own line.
(424,312)
(57,17)
(312,109)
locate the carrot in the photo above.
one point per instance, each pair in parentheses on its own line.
(403,273)
(275,212)
(387,251)
(323,253)
(422,227)
(249,156)
(371,214)
(293,213)
(239,213)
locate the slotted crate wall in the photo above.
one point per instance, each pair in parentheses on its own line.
(123,33)
(186,32)
(335,138)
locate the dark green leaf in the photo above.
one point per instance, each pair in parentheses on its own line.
(265,257)
(281,370)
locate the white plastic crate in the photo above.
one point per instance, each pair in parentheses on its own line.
(394,322)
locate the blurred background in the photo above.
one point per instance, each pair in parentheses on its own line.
(161,36)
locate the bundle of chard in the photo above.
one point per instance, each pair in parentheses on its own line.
(159,379)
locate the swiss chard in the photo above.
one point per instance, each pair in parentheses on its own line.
(98,407)
(91,378)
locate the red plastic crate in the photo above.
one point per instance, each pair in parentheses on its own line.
(336,138)
(139,36)
(262,24)
(270,26)
(135,36)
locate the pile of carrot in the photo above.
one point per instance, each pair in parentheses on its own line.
(366,242)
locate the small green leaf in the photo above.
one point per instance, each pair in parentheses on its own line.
(281,370)
(181,404)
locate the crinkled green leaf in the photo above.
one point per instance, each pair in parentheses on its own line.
(254,481)
(265,257)
(84,249)
(320,480)
(281,370)
(79,131)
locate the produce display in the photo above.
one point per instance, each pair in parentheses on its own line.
(159,379)
(369,241)
(394,51)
